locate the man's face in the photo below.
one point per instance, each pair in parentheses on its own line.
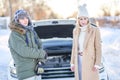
(24,21)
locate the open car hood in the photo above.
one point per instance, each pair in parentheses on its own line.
(50,31)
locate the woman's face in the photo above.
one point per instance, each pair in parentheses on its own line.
(83,21)
(23,21)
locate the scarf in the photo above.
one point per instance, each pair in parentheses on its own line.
(31,29)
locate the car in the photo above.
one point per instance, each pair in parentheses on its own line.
(56,36)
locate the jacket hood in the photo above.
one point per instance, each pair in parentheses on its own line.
(17,27)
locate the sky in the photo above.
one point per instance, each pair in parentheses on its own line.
(67,7)
(63,7)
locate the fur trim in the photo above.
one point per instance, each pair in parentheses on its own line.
(17,27)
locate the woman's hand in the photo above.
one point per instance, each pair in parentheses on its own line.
(94,69)
(72,68)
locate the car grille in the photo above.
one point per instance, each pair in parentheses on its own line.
(61,72)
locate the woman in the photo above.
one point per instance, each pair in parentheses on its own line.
(25,46)
(86,49)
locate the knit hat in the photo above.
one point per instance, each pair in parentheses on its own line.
(20,14)
(82,11)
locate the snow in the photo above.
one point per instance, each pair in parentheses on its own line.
(5,54)
(110,52)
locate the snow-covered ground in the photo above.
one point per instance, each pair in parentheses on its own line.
(4,54)
(110,50)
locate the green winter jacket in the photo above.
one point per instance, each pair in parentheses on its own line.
(24,55)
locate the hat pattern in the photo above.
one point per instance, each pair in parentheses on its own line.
(20,14)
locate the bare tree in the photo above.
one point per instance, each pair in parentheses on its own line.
(10,9)
(37,8)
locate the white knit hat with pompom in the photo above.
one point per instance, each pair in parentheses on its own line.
(82,11)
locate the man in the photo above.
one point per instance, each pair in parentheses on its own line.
(25,46)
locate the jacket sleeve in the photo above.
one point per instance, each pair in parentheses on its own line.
(18,44)
(98,47)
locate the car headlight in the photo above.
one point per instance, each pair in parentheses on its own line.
(101,69)
(13,72)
